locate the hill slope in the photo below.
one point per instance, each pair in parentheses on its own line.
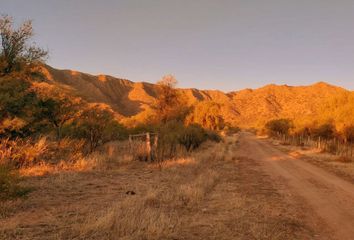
(245,108)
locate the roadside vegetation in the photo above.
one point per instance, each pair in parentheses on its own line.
(45,128)
(324,136)
(323,144)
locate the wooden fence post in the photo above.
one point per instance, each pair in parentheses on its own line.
(148,147)
(156,139)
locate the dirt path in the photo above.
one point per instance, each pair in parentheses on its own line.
(329,196)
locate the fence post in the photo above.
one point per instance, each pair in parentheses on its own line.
(148,147)
(156,139)
(130,143)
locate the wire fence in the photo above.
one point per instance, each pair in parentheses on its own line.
(334,146)
(143,146)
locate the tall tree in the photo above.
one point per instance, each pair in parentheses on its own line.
(97,125)
(17,53)
(19,59)
(169,104)
(56,106)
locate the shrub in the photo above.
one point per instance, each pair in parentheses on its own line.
(97,126)
(348,133)
(324,131)
(192,137)
(278,126)
(213,136)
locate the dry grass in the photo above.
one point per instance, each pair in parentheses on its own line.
(21,152)
(133,218)
(155,215)
(47,159)
(210,194)
(82,164)
(195,191)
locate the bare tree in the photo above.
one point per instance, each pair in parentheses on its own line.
(16,52)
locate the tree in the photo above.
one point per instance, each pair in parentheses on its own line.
(97,125)
(16,53)
(169,104)
(19,60)
(17,106)
(207,114)
(279,126)
(56,106)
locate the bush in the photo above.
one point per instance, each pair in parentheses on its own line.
(325,131)
(174,139)
(97,126)
(192,137)
(278,126)
(213,136)
(348,133)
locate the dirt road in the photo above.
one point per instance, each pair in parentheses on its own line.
(329,196)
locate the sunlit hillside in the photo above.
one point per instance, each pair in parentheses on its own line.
(244,108)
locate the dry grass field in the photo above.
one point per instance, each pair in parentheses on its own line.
(214,193)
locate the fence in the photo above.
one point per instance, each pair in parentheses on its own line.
(334,146)
(143,146)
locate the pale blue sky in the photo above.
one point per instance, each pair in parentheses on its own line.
(219,44)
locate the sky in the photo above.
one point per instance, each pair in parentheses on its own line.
(206,44)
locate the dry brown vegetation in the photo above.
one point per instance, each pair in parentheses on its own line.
(212,193)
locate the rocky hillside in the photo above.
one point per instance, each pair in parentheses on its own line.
(245,108)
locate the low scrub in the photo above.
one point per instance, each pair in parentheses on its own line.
(175,138)
(21,152)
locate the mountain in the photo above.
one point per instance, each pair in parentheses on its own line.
(245,108)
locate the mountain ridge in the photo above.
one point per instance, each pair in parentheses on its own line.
(245,108)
